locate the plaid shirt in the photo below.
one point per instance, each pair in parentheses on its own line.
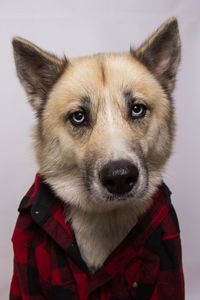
(47,263)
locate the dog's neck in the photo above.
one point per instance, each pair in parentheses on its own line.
(98,234)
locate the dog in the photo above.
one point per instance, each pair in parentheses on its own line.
(105,130)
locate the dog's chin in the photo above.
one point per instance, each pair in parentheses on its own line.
(106,200)
(122,199)
(137,202)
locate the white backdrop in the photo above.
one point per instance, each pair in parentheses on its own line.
(85,27)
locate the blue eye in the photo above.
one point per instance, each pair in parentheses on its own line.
(138,111)
(77,118)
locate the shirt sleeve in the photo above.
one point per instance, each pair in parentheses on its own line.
(170,284)
(15,290)
(25,284)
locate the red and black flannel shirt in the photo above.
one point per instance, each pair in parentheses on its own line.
(47,263)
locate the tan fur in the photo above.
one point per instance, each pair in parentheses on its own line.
(68,157)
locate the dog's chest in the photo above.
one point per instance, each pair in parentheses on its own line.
(97,235)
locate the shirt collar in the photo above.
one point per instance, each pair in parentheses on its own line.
(46,210)
(40,200)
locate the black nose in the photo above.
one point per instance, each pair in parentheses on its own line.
(119,176)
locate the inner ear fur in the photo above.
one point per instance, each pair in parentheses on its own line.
(37,70)
(161,53)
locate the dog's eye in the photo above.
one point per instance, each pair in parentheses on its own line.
(138,111)
(77,118)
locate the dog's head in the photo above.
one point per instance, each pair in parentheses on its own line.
(105,122)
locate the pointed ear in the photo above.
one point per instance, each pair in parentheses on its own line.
(161,53)
(37,70)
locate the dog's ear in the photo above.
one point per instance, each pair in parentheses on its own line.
(161,53)
(37,70)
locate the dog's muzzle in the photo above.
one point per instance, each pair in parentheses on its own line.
(119,177)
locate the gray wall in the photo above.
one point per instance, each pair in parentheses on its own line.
(84,27)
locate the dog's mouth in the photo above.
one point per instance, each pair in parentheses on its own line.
(119,198)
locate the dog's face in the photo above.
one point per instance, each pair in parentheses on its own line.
(105,122)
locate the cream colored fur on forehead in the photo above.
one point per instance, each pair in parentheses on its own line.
(120,71)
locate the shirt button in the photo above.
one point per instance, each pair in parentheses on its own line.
(134,284)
